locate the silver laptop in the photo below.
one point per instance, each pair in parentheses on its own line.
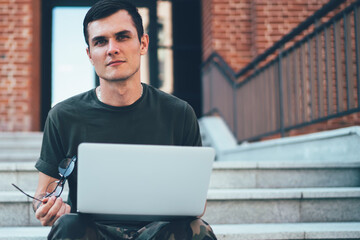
(142,182)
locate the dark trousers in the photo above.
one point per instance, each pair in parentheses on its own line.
(76,226)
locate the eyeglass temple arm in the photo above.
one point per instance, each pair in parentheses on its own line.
(26,193)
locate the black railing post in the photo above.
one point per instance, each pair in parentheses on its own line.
(235,110)
(328,69)
(347,72)
(211,92)
(338,99)
(311,90)
(281,104)
(357,44)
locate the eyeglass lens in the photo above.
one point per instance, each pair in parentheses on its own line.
(66,166)
(55,189)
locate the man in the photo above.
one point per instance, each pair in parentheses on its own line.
(120,110)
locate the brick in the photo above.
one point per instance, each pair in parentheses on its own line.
(15,59)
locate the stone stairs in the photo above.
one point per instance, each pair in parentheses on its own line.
(255,199)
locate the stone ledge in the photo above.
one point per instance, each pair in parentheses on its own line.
(284,193)
(284,231)
(238,194)
(20,135)
(223,165)
(18,166)
(271,164)
(19,157)
(20,144)
(24,233)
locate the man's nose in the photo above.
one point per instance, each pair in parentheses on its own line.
(113,47)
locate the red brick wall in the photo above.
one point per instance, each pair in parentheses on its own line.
(227,30)
(240,30)
(18,65)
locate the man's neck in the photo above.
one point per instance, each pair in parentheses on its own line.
(119,94)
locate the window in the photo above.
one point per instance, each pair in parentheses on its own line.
(72,72)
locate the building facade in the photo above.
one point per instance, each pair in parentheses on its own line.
(237,30)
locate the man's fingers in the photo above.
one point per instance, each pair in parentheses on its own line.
(49,212)
(44,208)
(52,214)
(68,208)
(65,208)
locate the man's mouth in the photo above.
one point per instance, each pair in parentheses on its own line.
(115,63)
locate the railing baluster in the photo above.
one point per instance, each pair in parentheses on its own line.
(328,64)
(234,92)
(287,83)
(211,92)
(277,94)
(348,63)
(296,85)
(338,69)
(357,43)
(271,98)
(266,103)
(302,77)
(311,74)
(253,104)
(282,130)
(319,69)
(263,119)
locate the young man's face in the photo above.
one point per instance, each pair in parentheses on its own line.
(114,47)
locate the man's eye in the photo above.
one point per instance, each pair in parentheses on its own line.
(100,42)
(121,38)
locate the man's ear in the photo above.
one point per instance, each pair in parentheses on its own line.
(144,44)
(89,55)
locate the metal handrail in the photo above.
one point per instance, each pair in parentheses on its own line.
(316,104)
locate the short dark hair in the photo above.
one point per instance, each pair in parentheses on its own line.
(105,8)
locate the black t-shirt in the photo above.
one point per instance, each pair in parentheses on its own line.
(156,118)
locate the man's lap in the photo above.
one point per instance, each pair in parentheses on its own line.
(77,226)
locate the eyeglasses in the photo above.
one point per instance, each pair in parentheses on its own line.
(55,188)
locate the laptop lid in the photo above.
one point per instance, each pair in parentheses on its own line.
(142,182)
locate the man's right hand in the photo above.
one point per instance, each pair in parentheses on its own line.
(51,209)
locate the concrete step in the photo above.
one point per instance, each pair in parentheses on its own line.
(19,156)
(285,174)
(234,206)
(23,174)
(12,150)
(20,136)
(20,146)
(24,233)
(327,145)
(16,209)
(13,146)
(238,174)
(313,231)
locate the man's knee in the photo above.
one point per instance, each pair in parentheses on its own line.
(201,230)
(186,229)
(73,226)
